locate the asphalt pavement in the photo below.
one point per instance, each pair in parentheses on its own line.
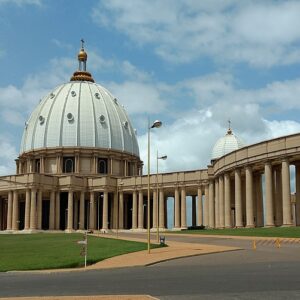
(265,273)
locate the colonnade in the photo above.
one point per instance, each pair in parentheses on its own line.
(81,209)
(238,197)
(232,198)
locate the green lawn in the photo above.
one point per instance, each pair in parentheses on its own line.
(289,232)
(49,251)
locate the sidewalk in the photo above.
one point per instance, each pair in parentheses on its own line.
(173,251)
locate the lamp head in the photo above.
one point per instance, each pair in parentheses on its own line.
(156,124)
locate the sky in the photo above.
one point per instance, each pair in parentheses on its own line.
(191,64)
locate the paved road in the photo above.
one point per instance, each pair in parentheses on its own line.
(267,273)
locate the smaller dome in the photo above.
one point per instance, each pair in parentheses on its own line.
(230,142)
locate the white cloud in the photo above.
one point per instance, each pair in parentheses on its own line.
(8,154)
(262,34)
(138,97)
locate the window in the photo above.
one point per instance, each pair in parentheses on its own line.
(37,166)
(68,165)
(102,165)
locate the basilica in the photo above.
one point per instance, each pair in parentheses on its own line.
(79,169)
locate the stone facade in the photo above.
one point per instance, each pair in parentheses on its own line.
(229,193)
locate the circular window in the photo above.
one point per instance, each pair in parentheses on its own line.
(102,119)
(125,124)
(97,95)
(42,120)
(73,93)
(52,95)
(70,117)
(116,100)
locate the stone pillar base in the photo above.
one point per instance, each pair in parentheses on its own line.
(182,228)
(175,228)
(140,230)
(287,225)
(269,226)
(70,230)
(250,226)
(163,229)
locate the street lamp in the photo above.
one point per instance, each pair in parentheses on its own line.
(118,184)
(164,157)
(156,124)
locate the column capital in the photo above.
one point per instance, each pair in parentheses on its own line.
(248,167)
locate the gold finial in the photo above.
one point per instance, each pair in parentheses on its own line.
(82,74)
(229,131)
(82,56)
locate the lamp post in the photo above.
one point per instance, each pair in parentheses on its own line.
(118,184)
(164,157)
(156,124)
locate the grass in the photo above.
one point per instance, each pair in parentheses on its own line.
(288,232)
(51,251)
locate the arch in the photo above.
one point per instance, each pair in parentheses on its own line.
(68,166)
(102,166)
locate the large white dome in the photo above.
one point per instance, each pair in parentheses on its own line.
(226,144)
(79,114)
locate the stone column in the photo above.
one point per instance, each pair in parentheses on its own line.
(238,199)
(111,166)
(15,212)
(92,211)
(155,209)
(249,198)
(57,210)
(259,203)
(194,211)
(297,175)
(134,210)
(211,217)
(42,166)
(52,210)
(58,164)
(206,206)
(286,193)
(75,212)
(81,210)
(141,210)
(77,164)
(221,202)
(217,213)
(105,211)
(177,209)
(39,209)
(9,210)
(121,210)
(33,209)
(70,211)
(199,207)
(227,204)
(269,194)
(162,224)
(27,210)
(183,208)
(278,198)
(115,211)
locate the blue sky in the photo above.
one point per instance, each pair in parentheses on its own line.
(192,64)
